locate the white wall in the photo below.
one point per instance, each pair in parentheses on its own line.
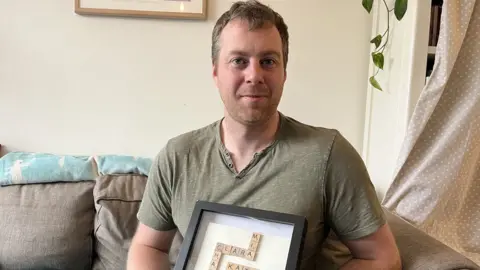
(93,85)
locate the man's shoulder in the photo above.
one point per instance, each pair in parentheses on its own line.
(328,144)
(194,139)
(309,134)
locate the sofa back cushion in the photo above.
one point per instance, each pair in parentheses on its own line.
(117,199)
(46,226)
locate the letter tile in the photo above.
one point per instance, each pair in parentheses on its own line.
(219,247)
(213,265)
(253,246)
(250,255)
(227,249)
(256,237)
(217,255)
(239,252)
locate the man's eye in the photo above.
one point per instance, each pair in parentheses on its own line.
(268,62)
(239,61)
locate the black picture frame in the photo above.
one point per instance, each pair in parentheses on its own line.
(295,250)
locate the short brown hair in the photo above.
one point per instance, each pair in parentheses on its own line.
(257,15)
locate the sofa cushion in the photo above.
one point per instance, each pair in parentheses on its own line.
(420,251)
(46,226)
(117,199)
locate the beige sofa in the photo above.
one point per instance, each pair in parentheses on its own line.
(89,225)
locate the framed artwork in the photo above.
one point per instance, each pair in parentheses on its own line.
(174,9)
(221,237)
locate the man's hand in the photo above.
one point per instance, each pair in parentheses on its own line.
(377,251)
(149,249)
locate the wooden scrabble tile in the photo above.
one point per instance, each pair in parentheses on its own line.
(242,252)
(233,266)
(235,251)
(214,264)
(219,247)
(227,249)
(217,255)
(256,237)
(253,246)
(250,255)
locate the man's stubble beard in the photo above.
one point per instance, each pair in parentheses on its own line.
(252,116)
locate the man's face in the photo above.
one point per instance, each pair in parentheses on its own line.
(250,72)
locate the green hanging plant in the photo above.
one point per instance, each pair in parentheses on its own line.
(378,58)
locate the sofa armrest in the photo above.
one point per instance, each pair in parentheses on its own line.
(420,251)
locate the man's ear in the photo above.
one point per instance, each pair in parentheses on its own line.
(214,73)
(214,70)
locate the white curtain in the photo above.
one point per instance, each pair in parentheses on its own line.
(437,181)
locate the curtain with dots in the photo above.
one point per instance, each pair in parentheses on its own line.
(437,182)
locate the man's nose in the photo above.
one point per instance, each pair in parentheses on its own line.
(254,73)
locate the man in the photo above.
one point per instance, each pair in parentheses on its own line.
(257,157)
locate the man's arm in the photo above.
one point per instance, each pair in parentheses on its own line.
(376,251)
(149,249)
(156,230)
(354,212)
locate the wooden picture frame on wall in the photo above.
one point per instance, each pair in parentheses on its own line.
(168,9)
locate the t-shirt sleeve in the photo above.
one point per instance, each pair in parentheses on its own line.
(353,209)
(155,210)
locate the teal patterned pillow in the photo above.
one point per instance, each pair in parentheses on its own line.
(34,168)
(25,168)
(117,164)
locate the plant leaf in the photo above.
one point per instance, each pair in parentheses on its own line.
(378,59)
(400,8)
(375,84)
(377,41)
(367,4)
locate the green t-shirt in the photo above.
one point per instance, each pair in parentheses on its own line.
(310,171)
